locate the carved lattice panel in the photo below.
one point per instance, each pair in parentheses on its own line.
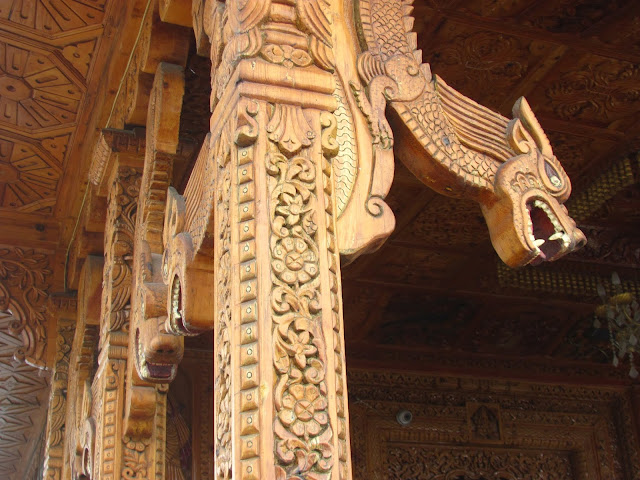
(484,429)
(435,462)
(23,392)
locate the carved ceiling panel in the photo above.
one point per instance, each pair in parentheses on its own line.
(602,92)
(579,153)
(571,16)
(514,329)
(483,64)
(443,222)
(411,265)
(494,8)
(52,18)
(416,319)
(46,54)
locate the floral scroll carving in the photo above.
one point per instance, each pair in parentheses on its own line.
(303,431)
(24,281)
(475,464)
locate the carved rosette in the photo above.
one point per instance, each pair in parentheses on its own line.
(299,351)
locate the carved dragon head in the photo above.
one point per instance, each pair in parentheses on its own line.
(526,217)
(157,353)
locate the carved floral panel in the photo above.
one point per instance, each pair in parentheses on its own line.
(466,428)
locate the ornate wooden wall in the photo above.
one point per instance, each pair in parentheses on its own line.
(469,428)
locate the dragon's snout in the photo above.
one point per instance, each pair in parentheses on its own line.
(526,218)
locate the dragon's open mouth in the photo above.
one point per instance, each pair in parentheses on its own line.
(176,320)
(545,231)
(150,370)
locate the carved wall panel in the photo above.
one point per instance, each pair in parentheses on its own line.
(23,393)
(472,428)
(24,283)
(602,91)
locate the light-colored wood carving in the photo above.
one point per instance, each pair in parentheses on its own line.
(82,359)
(460,148)
(55,441)
(102,449)
(292,175)
(24,391)
(24,283)
(153,353)
(261,194)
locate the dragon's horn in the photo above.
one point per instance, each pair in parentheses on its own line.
(522,110)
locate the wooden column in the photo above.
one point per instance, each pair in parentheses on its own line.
(280,403)
(82,361)
(54,459)
(110,454)
(262,193)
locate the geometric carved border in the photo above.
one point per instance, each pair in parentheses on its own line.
(23,400)
(567,432)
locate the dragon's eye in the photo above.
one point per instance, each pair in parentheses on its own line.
(554,178)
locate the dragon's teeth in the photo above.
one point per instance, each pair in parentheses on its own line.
(556,236)
(539,242)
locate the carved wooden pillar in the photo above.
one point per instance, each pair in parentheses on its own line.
(54,458)
(279,384)
(81,367)
(115,455)
(263,193)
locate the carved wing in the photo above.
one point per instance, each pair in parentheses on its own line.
(476,127)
